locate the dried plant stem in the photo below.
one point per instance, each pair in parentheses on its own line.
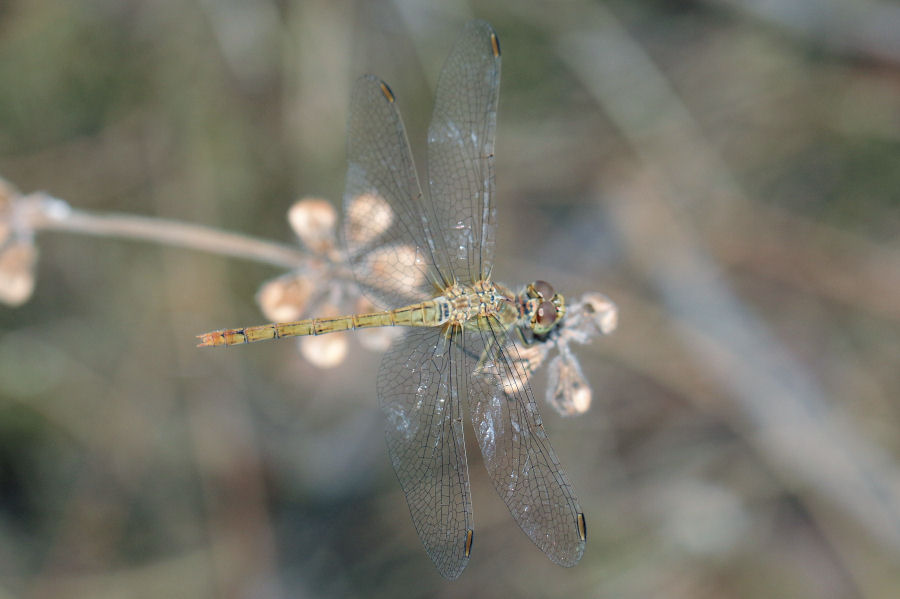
(41,212)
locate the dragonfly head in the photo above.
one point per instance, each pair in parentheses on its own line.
(544,308)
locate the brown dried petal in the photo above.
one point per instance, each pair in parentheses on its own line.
(528,359)
(17,262)
(399,263)
(603,312)
(380,339)
(8,194)
(324,351)
(368,216)
(314,220)
(284,299)
(567,389)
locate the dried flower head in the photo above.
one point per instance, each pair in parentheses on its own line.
(321,287)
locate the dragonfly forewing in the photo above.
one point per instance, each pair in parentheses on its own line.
(389,246)
(461,152)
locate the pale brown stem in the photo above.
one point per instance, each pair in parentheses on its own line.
(41,212)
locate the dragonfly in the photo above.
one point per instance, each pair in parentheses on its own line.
(427,259)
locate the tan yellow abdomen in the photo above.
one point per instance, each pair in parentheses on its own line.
(426,314)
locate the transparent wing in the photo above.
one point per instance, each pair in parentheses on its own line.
(418,392)
(385,231)
(461,153)
(516,450)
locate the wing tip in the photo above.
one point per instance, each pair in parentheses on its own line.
(567,559)
(488,29)
(449,562)
(386,90)
(582,527)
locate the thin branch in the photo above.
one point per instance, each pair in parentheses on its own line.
(41,212)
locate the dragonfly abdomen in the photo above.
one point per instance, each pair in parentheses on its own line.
(425,314)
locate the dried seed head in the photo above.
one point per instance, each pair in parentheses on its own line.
(324,351)
(314,220)
(368,216)
(17,262)
(285,298)
(602,311)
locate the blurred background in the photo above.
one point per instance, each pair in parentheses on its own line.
(726,171)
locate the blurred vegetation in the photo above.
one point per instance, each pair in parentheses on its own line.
(726,171)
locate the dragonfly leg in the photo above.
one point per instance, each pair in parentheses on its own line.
(527,342)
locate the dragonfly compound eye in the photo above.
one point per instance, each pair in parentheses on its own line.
(544,289)
(546,314)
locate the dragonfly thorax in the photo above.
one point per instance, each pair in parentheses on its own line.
(462,304)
